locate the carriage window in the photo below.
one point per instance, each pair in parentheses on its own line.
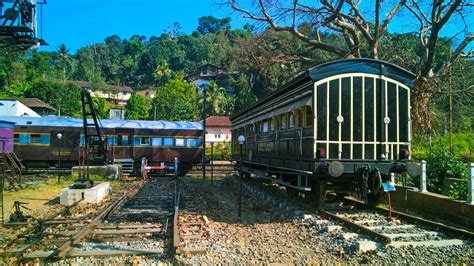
(291,120)
(180,142)
(145,141)
(122,140)
(156,141)
(283,121)
(264,126)
(193,143)
(300,117)
(168,142)
(309,117)
(16,138)
(35,138)
(272,124)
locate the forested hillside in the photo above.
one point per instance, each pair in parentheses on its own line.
(263,59)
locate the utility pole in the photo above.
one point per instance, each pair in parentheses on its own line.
(204,133)
(450,106)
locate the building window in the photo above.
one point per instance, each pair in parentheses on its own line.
(35,138)
(217,133)
(145,141)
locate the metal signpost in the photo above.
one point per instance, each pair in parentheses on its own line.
(59,136)
(241,142)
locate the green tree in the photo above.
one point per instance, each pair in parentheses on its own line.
(65,60)
(63,96)
(210,24)
(176,101)
(137,107)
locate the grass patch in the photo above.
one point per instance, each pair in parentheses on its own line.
(42,193)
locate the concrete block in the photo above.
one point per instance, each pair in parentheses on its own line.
(68,196)
(367,245)
(333,228)
(112,171)
(348,236)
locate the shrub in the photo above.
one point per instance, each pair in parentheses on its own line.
(441,164)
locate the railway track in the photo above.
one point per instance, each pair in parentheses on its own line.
(363,228)
(135,222)
(398,231)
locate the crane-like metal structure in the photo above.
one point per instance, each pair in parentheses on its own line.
(95,143)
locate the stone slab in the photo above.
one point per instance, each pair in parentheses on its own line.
(69,196)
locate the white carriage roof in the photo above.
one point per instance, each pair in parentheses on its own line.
(106,123)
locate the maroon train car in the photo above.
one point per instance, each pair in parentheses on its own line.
(37,145)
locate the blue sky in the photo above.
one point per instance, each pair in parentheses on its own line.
(81,22)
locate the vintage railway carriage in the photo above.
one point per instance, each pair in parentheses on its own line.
(343,126)
(36,143)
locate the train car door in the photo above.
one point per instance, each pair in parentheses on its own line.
(122,147)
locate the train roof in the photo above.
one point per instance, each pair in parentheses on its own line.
(106,123)
(337,67)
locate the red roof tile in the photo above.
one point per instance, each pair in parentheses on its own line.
(218,121)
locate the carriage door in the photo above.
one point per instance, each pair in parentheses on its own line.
(123,144)
(361,116)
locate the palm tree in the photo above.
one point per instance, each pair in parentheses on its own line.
(215,98)
(65,58)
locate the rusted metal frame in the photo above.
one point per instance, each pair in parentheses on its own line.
(63,250)
(357,227)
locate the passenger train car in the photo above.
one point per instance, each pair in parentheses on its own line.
(342,127)
(37,146)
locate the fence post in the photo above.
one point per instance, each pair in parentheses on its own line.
(470,185)
(423,177)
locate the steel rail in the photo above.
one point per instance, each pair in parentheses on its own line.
(64,249)
(416,219)
(355,226)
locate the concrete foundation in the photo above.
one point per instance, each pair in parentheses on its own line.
(112,171)
(69,196)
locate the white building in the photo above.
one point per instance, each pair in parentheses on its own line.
(13,107)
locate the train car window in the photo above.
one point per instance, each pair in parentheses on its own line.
(309,117)
(110,140)
(45,139)
(192,143)
(272,124)
(35,139)
(16,138)
(291,120)
(168,142)
(283,121)
(180,142)
(156,141)
(122,140)
(145,141)
(265,126)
